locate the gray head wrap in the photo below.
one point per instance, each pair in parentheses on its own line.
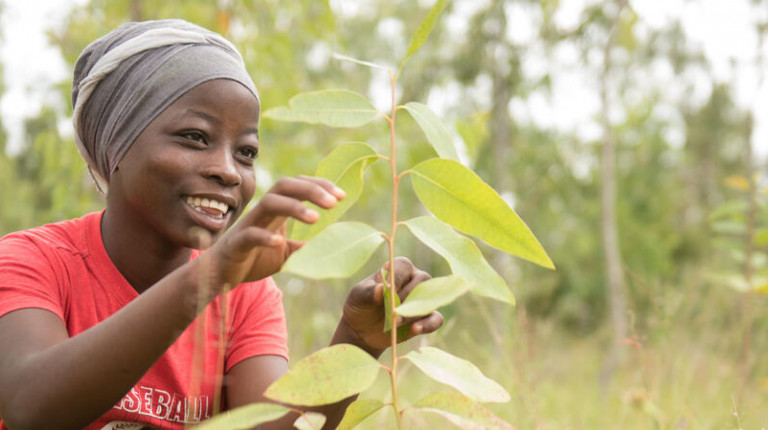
(125,79)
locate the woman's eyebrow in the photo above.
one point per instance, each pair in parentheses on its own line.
(251,130)
(210,118)
(205,116)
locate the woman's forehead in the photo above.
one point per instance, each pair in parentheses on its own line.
(213,105)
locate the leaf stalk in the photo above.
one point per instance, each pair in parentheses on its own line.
(391,243)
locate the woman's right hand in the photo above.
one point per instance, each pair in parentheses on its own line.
(257,247)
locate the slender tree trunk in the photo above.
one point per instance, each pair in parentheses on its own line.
(135,10)
(745,301)
(613,263)
(224,16)
(752,212)
(500,135)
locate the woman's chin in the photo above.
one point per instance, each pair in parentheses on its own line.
(200,238)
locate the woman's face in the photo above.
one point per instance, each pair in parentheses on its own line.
(190,173)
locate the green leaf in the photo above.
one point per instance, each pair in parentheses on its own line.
(424,29)
(761,237)
(458,373)
(437,133)
(432,294)
(426,418)
(460,410)
(474,132)
(327,376)
(729,209)
(360,62)
(310,421)
(729,227)
(358,411)
(402,331)
(336,108)
(345,167)
(459,197)
(762,289)
(244,417)
(336,252)
(463,256)
(388,301)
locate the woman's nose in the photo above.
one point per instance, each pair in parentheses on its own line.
(223,167)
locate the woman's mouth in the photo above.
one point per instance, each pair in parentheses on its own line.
(211,207)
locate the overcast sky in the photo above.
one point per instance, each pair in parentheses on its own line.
(723,29)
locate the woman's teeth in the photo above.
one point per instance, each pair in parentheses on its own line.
(211,207)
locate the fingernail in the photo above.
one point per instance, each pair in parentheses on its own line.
(312,215)
(328,199)
(339,192)
(417,328)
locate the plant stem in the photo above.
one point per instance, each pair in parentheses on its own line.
(391,243)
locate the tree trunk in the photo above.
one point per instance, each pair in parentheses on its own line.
(135,10)
(500,135)
(614,274)
(747,298)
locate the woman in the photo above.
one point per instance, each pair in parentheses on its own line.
(101,316)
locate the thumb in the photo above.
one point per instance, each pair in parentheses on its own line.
(292,246)
(378,294)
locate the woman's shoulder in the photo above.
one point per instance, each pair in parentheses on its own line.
(71,235)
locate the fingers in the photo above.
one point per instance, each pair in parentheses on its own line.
(366,292)
(319,191)
(250,237)
(421,325)
(407,276)
(427,324)
(417,277)
(276,206)
(329,186)
(285,200)
(403,270)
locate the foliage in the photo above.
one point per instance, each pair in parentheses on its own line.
(456,196)
(49,177)
(679,138)
(741,228)
(336,373)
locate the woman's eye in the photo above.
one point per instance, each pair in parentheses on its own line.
(251,153)
(195,136)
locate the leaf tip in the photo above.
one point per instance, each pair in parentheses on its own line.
(547,263)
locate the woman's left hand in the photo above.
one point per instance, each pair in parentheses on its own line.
(362,322)
(257,246)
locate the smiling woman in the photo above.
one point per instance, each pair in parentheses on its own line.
(135,315)
(191,167)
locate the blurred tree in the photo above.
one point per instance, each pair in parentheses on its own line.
(617,289)
(6,165)
(472,76)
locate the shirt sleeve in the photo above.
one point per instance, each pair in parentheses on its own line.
(27,277)
(258,323)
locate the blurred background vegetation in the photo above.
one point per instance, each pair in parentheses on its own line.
(657,222)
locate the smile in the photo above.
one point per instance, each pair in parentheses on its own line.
(210,207)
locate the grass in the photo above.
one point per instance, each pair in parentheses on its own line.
(683,367)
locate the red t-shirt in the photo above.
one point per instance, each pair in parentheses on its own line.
(64,268)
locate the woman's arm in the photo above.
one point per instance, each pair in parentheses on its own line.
(362,325)
(49,380)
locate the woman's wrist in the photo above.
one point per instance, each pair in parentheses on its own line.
(345,334)
(198,287)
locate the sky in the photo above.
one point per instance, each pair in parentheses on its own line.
(30,63)
(723,29)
